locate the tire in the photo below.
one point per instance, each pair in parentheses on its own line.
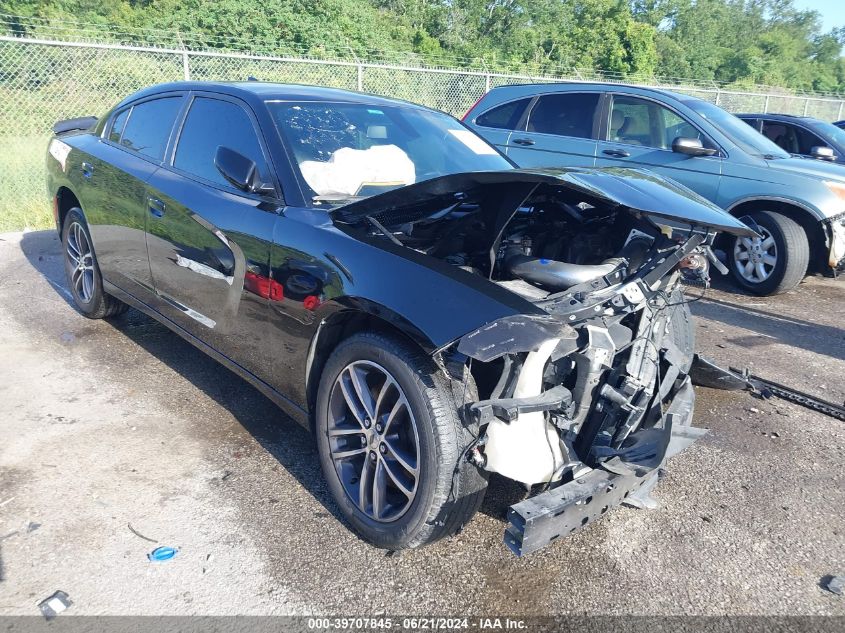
(447,489)
(681,328)
(82,271)
(788,249)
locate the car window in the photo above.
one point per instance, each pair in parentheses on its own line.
(564,114)
(738,132)
(641,122)
(149,125)
(783,135)
(505,117)
(212,123)
(834,132)
(807,140)
(117,125)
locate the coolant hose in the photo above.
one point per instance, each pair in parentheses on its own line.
(552,274)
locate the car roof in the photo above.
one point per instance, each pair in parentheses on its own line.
(600,84)
(252,91)
(777,117)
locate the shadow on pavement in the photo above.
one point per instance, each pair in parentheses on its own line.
(43,251)
(288,442)
(814,337)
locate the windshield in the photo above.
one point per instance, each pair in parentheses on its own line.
(738,131)
(830,133)
(349,151)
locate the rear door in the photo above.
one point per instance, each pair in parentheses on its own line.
(559,130)
(638,132)
(130,150)
(208,242)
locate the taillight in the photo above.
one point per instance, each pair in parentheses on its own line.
(466,114)
(264,287)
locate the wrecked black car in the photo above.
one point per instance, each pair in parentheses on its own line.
(394,283)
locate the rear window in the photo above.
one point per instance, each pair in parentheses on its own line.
(117,125)
(149,125)
(504,117)
(564,114)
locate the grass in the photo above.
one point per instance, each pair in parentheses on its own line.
(24,203)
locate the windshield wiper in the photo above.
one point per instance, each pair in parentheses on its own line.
(383,230)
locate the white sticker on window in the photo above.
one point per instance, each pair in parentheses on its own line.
(473,142)
(59,151)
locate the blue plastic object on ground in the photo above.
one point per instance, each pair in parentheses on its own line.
(161,554)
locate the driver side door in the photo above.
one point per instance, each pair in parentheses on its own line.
(209,243)
(638,132)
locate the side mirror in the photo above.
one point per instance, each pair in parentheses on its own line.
(239,170)
(822,152)
(691,147)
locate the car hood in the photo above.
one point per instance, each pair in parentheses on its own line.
(809,167)
(636,189)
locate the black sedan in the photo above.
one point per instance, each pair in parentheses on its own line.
(392,281)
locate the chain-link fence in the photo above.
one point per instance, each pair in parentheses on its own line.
(42,81)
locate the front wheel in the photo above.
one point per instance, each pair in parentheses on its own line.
(391,444)
(83,273)
(774,262)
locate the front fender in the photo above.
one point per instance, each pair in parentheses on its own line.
(808,208)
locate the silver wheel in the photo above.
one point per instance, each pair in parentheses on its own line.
(81,261)
(755,258)
(373,441)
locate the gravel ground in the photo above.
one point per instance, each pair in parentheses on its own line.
(109,424)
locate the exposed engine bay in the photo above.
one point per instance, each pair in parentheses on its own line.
(583,398)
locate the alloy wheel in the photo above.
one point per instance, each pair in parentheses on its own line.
(755,258)
(81,261)
(373,440)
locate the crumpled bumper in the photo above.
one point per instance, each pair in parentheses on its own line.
(837,243)
(539,520)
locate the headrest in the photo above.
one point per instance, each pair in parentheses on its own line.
(617,119)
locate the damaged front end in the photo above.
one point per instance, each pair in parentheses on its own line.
(584,391)
(591,399)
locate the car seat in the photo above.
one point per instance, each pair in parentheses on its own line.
(619,126)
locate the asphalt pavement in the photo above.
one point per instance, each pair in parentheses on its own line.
(112,424)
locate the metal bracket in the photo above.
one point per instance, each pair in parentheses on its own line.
(706,373)
(509,408)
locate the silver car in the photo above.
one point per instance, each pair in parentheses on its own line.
(796,206)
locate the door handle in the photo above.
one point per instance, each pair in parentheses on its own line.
(156,206)
(618,153)
(87,169)
(524,141)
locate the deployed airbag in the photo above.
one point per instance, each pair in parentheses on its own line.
(348,170)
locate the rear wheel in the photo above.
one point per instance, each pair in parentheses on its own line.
(774,262)
(391,444)
(83,273)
